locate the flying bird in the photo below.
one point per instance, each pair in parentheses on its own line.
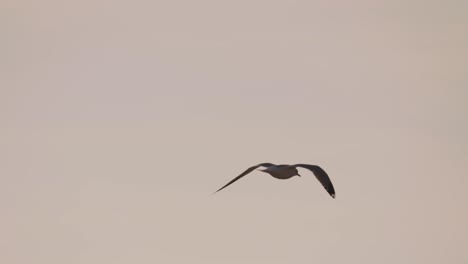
(284,172)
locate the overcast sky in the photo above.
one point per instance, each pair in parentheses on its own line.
(118,119)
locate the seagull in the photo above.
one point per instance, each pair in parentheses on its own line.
(284,172)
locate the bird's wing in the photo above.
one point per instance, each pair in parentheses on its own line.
(321,176)
(247,171)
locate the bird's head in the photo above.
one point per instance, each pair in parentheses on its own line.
(297,172)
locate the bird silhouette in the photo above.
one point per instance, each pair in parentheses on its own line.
(288,171)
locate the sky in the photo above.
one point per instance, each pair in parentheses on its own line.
(119,119)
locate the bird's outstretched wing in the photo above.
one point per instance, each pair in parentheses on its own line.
(247,171)
(321,176)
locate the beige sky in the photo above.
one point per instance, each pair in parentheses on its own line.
(120,118)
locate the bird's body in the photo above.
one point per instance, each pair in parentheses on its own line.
(284,172)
